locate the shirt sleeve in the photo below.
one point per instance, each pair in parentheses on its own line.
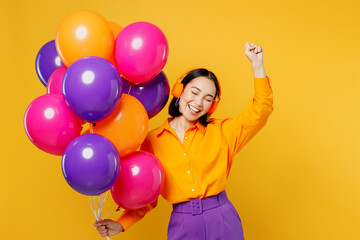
(130,217)
(240,129)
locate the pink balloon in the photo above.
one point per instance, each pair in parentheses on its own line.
(140,181)
(50,125)
(141,51)
(54,84)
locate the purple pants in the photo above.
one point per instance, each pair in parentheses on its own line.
(205,219)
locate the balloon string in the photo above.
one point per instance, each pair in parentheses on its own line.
(100,202)
(91,128)
(92,208)
(111,212)
(99,208)
(103,200)
(129,89)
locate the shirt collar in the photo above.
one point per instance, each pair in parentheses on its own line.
(166,126)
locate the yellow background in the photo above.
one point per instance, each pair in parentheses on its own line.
(298,179)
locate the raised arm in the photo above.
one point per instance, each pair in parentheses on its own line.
(240,129)
(255,55)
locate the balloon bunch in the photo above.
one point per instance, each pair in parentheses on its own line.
(111,77)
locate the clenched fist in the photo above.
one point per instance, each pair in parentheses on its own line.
(254,53)
(108,227)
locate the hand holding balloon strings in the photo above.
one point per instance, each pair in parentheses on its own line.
(100,204)
(101,199)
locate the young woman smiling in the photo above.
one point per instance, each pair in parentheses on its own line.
(197,152)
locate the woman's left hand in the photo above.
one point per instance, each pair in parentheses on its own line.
(254,53)
(108,227)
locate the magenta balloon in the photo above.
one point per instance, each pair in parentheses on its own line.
(140,181)
(54,84)
(50,125)
(141,51)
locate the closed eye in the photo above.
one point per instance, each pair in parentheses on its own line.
(195,93)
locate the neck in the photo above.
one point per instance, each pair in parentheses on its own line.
(180,123)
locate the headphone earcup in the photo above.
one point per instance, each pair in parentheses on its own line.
(177,89)
(213,107)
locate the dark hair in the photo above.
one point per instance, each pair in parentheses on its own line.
(199,72)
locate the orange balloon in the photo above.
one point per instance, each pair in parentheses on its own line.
(115,28)
(127,125)
(84,33)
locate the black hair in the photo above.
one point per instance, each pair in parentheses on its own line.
(199,72)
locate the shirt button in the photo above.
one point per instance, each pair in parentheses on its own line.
(192,190)
(188,172)
(185,137)
(184,154)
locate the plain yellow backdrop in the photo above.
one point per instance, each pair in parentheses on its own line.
(298,179)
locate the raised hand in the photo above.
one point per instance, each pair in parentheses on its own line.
(254,53)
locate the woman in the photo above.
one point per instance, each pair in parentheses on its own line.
(197,153)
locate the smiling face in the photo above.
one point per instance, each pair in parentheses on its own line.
(197,98)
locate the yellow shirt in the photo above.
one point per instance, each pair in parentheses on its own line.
(200,166)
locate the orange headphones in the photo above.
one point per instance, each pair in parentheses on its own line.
(178,88)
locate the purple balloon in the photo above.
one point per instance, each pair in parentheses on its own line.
(47,61)
(92,88)
(153,94)
(91,164)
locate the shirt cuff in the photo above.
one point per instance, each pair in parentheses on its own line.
(126,221)
(262,86)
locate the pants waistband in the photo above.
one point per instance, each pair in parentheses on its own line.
(198,206)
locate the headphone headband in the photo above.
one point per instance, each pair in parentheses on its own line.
(184,74)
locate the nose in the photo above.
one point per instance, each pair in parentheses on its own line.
(198,101)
